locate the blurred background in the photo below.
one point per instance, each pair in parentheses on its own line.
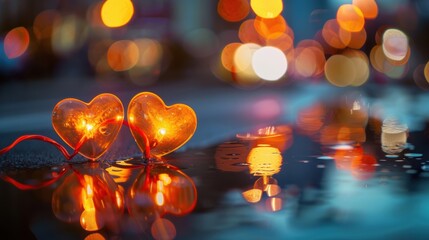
(199,51)
(241,42)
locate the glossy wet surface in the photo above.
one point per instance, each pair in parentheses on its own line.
(277,165)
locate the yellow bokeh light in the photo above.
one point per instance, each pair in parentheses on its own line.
(269,63)
(267,9)
(361,65)
(340,71)
(350,18)
(122,55)
(117,13)
(243,57)
(264,160)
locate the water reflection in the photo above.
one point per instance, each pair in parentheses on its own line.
(95,195)
(160,189)
(89,196)
(352,158)
(260,153)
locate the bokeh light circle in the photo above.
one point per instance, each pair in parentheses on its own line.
(334,35)
(369,8)
(248,34)
(117,13)
(395,44)
(233,10)
(243,57)
(267,9)
(227,56)
(270,28)
(123,55)
(340,71)
(350,18)
(269,63)
(16,42)
(361,65)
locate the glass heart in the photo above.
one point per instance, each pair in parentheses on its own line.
(167,127)
(91,127)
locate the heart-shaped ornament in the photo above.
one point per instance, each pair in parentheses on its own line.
(166,127)
(91,127)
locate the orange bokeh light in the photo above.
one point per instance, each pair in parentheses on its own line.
(358,39)
(248,34)
(267,9)
(227,56)
(122,55)
(350,18)
(270,28)
(233,10)
(16,42)
(309,58)
(43,24)
(283,42)
(117,13)
(369,8)
(334,35)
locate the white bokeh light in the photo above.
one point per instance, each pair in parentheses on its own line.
(395,44)
(269,63)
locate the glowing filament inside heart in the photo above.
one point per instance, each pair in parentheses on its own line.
(159,198)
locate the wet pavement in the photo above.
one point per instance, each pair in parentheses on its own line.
(302,162)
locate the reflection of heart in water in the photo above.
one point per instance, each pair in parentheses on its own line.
(90,196)
(159,189)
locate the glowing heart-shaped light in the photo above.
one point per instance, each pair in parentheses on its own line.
(166,127)
(90,127)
